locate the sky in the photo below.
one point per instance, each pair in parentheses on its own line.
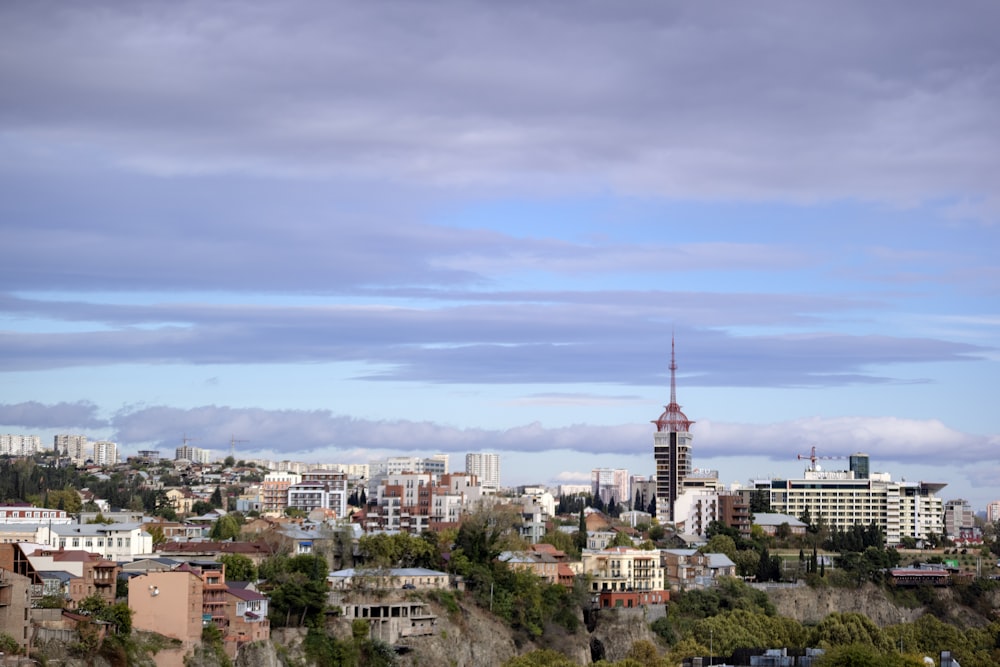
(339,231)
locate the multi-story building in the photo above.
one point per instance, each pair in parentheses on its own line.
(320,489)
(20,445)
(623,569)
(105,453)
(29,514)
(839,501)
(486,467)
(274,490)
(611,484)
(993,511)
(151,455)
(120,542)
(76,447)
(193,454)
(959,520)
(413,502)
(169,603)
(671,449)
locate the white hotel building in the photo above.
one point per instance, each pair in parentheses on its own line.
(840,499)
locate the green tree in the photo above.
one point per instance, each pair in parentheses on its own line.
(216,499)
(239,567)
(225,528)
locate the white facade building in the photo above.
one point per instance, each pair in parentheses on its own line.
(320,489)
(20,445)
(193,454)
(486,467)
(105,453)
(611,483)
(623,569)
(838,500)
(117,541)
(76,447)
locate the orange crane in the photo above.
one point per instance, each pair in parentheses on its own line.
(813,457)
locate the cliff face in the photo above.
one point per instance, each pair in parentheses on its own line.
(812,605)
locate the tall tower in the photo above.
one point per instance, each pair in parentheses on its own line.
(671,448)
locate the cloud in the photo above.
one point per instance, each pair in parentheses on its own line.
(603,337)
(32,414)
(305,433)
(641,96)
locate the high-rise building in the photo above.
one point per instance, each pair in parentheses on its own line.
(611,483)
(959,519)
(105,453)
(486,467)
(993,511)
(192,454)
(671,449)
(75,447)
(20,445)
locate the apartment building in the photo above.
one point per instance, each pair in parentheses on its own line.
(76,447)
(20,445)
(611,484)
(105,453)
(274,491)
(959,520)
(120,542)
(414,502)
(486,467)
(320,489)
(623,569)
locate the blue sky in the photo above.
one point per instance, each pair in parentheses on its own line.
(341,231)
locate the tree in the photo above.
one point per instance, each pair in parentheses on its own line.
(229,461)
(621,539)
(216,499)
(239,567)
(581,532)
(225,528)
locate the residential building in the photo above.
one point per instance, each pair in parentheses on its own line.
(20,445)
(76,447)
(416,578)
(105,453)
(193,454)
(688,568)
(993,511)
(151,455)
(246,616)
(486,467)
(15,604)
(120,542)
(169,603)
(29,514)
(671,449)
(772,523)
(959,520)
(611,484)
(274,491)
(413,502)
(320,489)
(623,569)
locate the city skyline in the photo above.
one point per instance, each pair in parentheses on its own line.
(339,232)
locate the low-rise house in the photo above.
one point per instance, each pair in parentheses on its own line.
(385,579)
(246,613)
(120,542)
(689,568)
(772,524)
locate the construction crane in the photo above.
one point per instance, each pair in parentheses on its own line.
(812,457)
(232,445)
(185,440)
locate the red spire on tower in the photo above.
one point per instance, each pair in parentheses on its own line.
(673,420)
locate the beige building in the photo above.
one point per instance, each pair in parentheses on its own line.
(623,569)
